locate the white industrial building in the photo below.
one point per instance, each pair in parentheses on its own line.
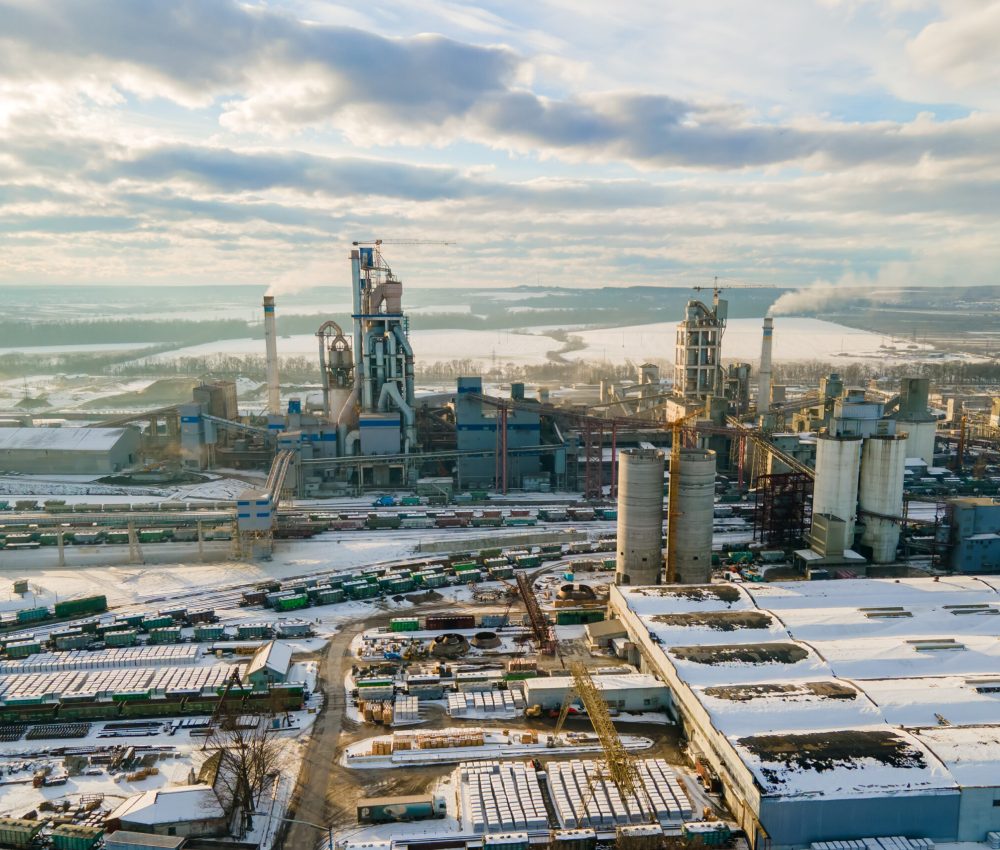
(624,692)
(188,810)
(835,710)
(68,451)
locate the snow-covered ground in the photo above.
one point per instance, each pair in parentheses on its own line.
(430,346)
(794,339)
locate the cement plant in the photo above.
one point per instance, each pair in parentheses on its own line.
(699,601)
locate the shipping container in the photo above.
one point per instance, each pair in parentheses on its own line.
(400,809)
(404,624)
(449,622)
(577,616)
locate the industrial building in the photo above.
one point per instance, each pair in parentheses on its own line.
(624,692)
(68,451)
(269,665)
(975,534)
(829,711)
(186,810)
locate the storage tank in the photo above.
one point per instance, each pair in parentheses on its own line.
(696,479)
(835,492)
(883,461)
(640,516)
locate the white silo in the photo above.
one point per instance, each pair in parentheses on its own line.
(693,525)
(919,438)
(835,491)
(640,516)
(883,461)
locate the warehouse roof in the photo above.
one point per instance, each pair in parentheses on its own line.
(170,805)
(125,838)
(845,762)
(610,682)
(60,439)
(970,753)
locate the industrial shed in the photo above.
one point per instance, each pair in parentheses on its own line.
(68,451)
(187,810)
(837,710)
(625,692)
(269,665)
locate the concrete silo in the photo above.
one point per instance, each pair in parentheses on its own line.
(695,478)
(640,516)
(883,461)
(835,492)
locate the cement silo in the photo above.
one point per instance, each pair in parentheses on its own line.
(692,557)
(640,516)
(883,461)
(915,420)
(835,492)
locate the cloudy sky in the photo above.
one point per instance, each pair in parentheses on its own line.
(568,142)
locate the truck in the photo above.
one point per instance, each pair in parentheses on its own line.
(400,809)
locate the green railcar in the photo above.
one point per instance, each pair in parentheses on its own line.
(330,597)
(527,562)
(165,636)
(72,836)
(121,638)
(32,615)
(157,623)
(206,633)
(292,603)
(404,624)
(116,537)
(80,607)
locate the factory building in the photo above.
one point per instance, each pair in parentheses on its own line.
(830,711)
(698,351)
(269,665)
(640,517)
(68,451)
(975,535)
(476,427)
(187,810)
(624,692)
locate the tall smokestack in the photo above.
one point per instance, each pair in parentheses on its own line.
(271,349)
(764,375)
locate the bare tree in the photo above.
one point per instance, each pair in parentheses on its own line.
(249,756)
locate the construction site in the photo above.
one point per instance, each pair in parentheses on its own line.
(695,606)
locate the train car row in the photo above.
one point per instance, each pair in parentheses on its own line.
(35,538)
(59,506)
(66,609)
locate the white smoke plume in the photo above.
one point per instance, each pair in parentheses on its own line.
(314,274)
(885,288)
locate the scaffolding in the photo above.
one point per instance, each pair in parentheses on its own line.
(782,508)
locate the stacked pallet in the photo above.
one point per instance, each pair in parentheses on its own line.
(105,659)
(97,683)
(501,797)
(477,703)
(584,795)
(406,710)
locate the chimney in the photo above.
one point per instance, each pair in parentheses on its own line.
(271,350)
(764,375)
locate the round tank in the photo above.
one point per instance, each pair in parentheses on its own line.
(835,491)
(696,479)
(919,439)
(640,516)
(883,461)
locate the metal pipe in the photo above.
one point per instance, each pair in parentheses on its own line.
(324,373)
(407,363)
(271,351)
(356,284)
(367,391)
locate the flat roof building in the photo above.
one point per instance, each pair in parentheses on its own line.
(835,710)
(68,451)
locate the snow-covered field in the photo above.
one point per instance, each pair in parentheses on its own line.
(794,339)
(429,346)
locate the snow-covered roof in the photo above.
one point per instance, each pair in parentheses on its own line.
(776,661)
(860,762)
(274,656)
(611,682)
(971,753)
(170,805)
(60,439)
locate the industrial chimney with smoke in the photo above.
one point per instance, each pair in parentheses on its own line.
(271,349)
(764,374)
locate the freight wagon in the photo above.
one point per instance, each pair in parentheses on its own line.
(450,622)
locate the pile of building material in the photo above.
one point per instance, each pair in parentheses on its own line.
(893,842)
(479,703)
(405,710)
(500,797)
(105,659)
(584,795)
(376,711)
(133,680)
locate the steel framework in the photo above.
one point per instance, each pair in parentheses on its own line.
(782,507)
(539,625)
(592,432)
(501,448)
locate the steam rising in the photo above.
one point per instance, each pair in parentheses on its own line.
(313,275)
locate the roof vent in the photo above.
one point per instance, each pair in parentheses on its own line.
(885,613)
(935,644)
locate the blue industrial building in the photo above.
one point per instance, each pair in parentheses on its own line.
(975,535)
(476,430)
